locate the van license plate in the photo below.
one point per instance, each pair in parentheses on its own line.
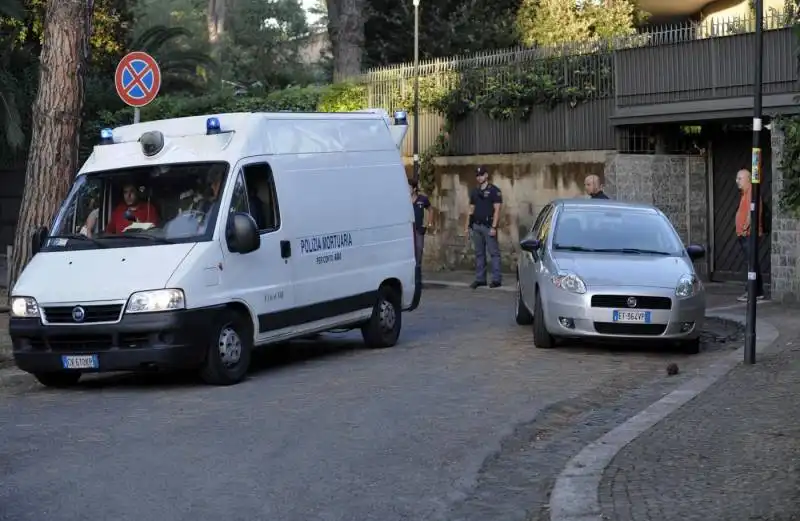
(80,362)
(631,317)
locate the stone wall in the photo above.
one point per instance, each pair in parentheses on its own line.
(785,254)
(528,183)
(677,185)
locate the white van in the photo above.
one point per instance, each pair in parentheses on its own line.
(185,243)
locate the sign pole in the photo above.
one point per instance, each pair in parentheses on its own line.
(137,115)
(755,195)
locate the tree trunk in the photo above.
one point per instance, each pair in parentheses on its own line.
(216,19)
(346,32)
(53,153)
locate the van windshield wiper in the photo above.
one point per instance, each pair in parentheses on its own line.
(637,251)
(573,248)
(78,237)
(150,238)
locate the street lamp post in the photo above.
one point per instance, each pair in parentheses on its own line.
(755,193)
(416,91)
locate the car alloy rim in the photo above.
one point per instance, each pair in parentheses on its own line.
(230,346)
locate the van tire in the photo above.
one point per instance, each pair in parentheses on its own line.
(58,380)
(231,339)
(541,337)
(383,328)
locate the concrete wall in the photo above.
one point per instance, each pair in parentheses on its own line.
(785,254)
(528,183)
(677,185)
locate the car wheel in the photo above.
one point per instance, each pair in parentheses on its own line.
(58,380)
(383,328)
(541,337)
(521,313)
(229,352)
(690,347)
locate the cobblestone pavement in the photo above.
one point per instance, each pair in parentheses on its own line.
(464,419)
(732,453)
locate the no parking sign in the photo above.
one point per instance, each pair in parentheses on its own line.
(138,80)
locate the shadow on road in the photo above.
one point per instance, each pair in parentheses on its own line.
(267,360)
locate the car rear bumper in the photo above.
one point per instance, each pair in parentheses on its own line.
(170,340)
(592,314)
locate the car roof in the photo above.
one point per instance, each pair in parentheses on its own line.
(588,204)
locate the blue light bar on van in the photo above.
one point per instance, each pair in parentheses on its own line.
(401,117)
(106,137)
(212,126)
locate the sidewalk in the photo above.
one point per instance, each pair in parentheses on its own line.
(732,453)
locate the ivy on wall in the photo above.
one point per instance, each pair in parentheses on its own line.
(790,164)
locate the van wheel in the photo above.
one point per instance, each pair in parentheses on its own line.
(229,351)
(541,337)
(521,313)
(383,328)
(58,380)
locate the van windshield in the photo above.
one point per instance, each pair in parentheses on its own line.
(161,204)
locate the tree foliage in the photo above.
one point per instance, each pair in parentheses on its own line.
(446,28)
(551,22)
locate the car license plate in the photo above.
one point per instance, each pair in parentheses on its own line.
(631,317)
(80,362)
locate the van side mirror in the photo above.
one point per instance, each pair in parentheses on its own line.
(37,239)
(241,233)
(530,245)
(696,251)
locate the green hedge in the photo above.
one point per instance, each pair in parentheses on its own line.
(328,98)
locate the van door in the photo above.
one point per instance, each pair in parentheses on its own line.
(262,278)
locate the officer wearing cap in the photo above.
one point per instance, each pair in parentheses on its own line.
(485,201)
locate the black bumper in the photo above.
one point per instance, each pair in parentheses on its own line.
(170,340)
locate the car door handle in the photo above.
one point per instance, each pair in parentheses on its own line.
(286,249)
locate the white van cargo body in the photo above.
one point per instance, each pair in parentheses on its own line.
(185,243)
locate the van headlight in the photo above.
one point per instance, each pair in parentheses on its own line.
(156,300)
(24,307)
(688,286)
(569,282)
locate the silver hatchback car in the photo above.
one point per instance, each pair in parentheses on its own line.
(606,269)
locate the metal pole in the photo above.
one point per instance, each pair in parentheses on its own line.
(755,194)
(137,115)
(416,91)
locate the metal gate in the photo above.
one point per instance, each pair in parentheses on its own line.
(731,151)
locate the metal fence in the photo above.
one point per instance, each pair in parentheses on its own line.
(690,61)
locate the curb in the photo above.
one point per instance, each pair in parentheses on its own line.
(432,284)
(575,494)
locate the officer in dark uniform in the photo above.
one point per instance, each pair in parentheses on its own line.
(485,201)
(593,187)
(421,205)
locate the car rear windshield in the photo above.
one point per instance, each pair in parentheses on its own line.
(615,230)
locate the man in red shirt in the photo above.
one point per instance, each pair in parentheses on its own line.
(143,211)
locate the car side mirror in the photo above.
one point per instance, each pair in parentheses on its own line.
(37,239)
(530,245)
(696,251)
(242,233)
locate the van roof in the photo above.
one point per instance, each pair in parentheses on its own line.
(245,134)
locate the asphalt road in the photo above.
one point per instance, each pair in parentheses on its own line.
(323,430)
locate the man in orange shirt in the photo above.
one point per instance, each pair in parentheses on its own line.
(142,210)
(743,227)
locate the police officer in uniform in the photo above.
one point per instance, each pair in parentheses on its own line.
(485,201)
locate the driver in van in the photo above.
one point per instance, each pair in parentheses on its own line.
(142,210)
